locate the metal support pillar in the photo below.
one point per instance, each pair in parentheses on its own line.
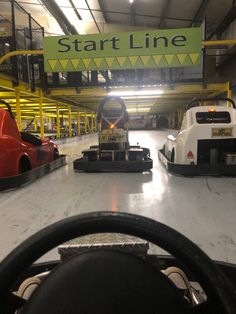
(180,113)
(13,44)
(229,94)
(89,124)
(58,121)
(92,122)
(85,123)
(18,111)
(78,124)
(41,118)
(69,121)
(94,117)
(96,125)
(35,124)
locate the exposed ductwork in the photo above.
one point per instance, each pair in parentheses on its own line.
(62,20)
(228,19)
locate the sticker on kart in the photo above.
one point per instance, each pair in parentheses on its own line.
(221,132)
(111,138)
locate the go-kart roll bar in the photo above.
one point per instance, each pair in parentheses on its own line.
(8,107)
(195,102)
(116,99)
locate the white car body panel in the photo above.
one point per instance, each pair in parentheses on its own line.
(186,139)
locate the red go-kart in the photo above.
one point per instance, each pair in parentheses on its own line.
(20,152)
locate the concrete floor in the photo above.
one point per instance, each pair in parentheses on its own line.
(202,208)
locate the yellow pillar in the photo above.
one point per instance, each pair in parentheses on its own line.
(92,118)
(41,119)
(35,124)
(69,118)
(58,121)
(229,94)
(78,124)
(180,117)
(170,120)
(96,125)
(88,123)
(85,123)
(18,111)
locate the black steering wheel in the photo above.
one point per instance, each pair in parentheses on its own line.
(108,281)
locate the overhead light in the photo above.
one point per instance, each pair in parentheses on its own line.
(138,109)
(63,3)
(141,97)
(131,1)
(137,92)
(6,44)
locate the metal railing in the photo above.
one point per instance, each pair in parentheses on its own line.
(21,32)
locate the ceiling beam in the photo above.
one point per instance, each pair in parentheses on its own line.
(171,18)
(139,15)
(133,12)
(75,10)
(164,14)
(91,12)
(61,19)
(199,13)
(227,20)
(104,15)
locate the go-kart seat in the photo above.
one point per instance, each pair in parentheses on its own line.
(30,138)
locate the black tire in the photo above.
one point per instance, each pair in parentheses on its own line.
(146,152)
(24,164)
(172,157)
(55,154)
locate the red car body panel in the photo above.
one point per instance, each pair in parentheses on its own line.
(13,148)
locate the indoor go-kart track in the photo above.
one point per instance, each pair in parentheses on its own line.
(202,208)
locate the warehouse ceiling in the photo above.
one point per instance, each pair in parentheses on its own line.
(60,17)
(93,16)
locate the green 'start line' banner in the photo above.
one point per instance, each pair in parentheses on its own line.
(118,51)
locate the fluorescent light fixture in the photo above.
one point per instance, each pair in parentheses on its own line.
(63,3)
(137,92)
(141,97)
(83,10)
(138,110)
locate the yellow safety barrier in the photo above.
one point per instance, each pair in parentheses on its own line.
(226,42)
(20,52)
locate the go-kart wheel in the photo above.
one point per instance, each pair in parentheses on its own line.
(56,154)
(24,164)
(172,157)
(146,152)
(86,276)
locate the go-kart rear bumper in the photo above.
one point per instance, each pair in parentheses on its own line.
(113,166)
(32,175)
(197,170)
